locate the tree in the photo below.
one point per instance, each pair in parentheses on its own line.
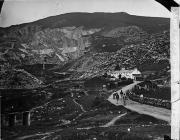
(119,76)
(105,75)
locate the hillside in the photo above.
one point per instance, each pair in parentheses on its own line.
(90,42)
(99,19)
(56,69)
(18,79)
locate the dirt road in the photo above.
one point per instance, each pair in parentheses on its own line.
(156,112)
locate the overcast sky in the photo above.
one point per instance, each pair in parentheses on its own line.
(22,11)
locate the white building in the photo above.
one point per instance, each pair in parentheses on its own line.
(125,73)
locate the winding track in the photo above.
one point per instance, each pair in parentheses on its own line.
(83,110)
(113,120)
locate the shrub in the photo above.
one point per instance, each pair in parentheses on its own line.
(96,101)
(133,137)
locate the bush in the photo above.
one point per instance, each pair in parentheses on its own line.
(96,101)
(123,78)
(133,137)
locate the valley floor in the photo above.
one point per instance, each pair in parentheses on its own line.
(89,116)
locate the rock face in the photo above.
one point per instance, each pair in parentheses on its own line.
(63,44)
(57,45)
(91,43)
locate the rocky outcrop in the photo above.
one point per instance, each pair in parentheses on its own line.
(64,43)
(57,46)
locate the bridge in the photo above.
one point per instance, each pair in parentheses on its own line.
(26,118)
(18,103)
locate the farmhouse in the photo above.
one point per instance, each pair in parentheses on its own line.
(132,74)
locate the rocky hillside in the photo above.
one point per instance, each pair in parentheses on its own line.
(90,42)
(57,45)
(18,79)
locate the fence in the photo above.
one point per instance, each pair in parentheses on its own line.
(150,101)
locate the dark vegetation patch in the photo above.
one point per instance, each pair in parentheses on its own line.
(149,66)
(107,44)
(88,101)
(63,68)
(21,100)
(55,111)
(47,75)
(95,83)
(36,69)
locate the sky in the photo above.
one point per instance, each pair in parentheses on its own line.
(23,11)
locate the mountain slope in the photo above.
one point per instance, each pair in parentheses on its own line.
(99,19)
(94,42)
